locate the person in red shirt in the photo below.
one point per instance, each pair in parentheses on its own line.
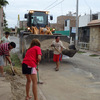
(29,64)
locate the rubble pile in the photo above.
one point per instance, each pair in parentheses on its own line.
(46,44)
(47,50)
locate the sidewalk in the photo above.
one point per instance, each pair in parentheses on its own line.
(5,89)
(90,52)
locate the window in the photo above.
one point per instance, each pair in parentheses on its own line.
(94,16)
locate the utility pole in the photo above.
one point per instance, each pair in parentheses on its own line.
(90,14)
(18,22)
(76,37)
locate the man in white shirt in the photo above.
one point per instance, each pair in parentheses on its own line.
(58,47)
(5,39)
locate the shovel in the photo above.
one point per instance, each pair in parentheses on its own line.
(38,77)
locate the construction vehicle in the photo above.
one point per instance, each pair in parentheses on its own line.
(37,22)
(38,27)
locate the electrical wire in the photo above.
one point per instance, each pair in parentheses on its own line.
(55,5)
(87,4)
(51,4)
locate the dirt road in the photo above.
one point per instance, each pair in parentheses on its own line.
(77,79)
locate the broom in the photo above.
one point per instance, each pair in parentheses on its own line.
(12,69)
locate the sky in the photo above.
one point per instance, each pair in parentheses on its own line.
(55,7)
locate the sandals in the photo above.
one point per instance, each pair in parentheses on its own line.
(27,98)
(56,69)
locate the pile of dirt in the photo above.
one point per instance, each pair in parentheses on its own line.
(17,86)
(47,50)
(46,44)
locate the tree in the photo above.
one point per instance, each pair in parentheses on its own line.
(3,3)
(5,23)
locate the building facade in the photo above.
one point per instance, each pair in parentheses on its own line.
(63,21)
(66,25)
(94,35)
(23,24)
(86,31)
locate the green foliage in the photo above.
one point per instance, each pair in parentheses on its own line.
(19,29)
(3,3)
(94,55)
(7,29)
(5,21)
(81,52)
(15,60)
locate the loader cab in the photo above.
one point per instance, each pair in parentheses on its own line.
(37,18)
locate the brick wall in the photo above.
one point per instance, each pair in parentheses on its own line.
(60,22)
(61,19)
(58,27)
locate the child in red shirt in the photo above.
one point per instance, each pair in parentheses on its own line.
(31,60)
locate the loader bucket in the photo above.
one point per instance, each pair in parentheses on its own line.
(69,53)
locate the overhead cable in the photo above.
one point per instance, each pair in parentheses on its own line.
(87,4)
(51,4)
(55,5)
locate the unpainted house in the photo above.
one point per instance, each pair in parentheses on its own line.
(94,43)
(65,24)
(84,29)
(61,22)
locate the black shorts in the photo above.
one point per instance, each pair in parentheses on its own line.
(28,70)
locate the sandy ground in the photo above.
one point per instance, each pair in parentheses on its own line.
(77,79)
(18,87)
(71,82)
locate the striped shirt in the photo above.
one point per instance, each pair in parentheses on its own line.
(4,50)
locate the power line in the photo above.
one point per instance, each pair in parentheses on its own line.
(55,5)
(87,4)
(51,4)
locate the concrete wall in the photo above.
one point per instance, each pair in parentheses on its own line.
(94,38)
(99,15)
(84,20)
